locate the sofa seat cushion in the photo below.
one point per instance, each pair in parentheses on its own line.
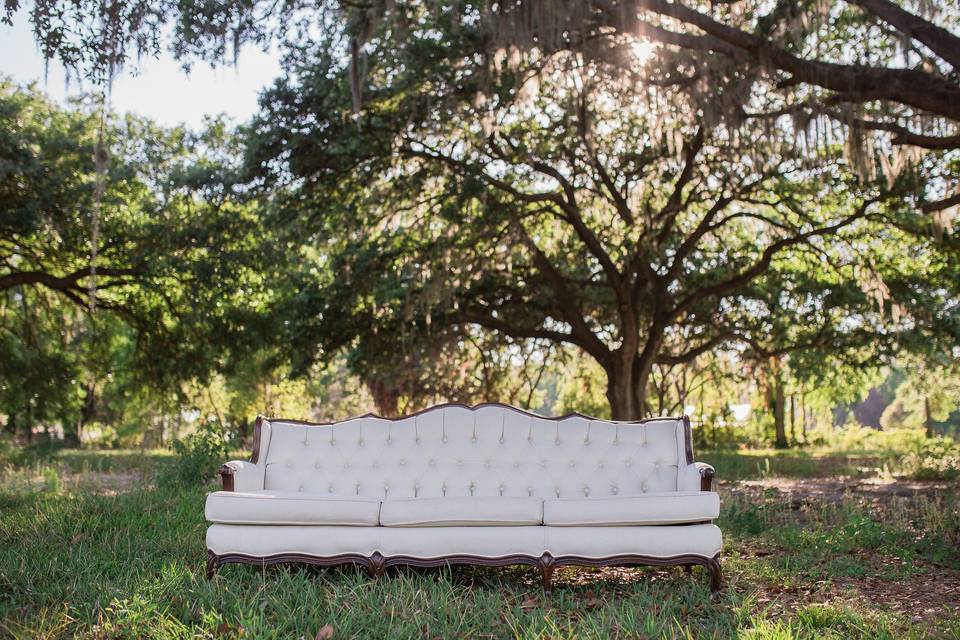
(462,512)
(291,507)
(676,507)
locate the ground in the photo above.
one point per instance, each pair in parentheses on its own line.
(92,547)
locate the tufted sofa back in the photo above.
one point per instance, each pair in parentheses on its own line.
(488,450)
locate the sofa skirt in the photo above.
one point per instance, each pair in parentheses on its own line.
(264,541)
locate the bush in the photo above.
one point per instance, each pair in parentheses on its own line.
(198,456)
(935,459)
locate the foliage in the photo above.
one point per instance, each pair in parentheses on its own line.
(180,265)
(936,459)
(461,211)
(198,456)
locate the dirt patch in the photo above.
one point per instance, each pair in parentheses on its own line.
(105,483)
(922,598)
(835,489)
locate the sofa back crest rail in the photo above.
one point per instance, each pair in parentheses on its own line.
(487,485)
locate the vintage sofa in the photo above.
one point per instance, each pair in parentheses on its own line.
(487,485)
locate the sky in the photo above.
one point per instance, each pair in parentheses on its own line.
(161,90)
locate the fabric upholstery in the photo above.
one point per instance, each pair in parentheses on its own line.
(284,507)
(689,477)
(246,475)
(652,509)
(451,512)
(487,451)
(487,542)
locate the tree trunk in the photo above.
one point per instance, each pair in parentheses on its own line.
(927,417)
(385,397)
(627,390)
(779,414)
(803,414)
(793,418)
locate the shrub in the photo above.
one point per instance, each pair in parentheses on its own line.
(198,456)
(934,459)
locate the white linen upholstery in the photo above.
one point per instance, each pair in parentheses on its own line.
(247,476)
(492,450)
(461,512)
(676,507)
(689,477)
(485,542)
(285,507)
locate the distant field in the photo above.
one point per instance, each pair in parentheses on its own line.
(90,547)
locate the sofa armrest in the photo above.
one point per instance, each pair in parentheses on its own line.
(696,477)
(240,475)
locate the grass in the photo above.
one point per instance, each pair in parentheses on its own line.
(83,557)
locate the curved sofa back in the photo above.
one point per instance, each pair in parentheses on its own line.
(487,450)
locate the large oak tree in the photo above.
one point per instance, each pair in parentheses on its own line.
(553,200)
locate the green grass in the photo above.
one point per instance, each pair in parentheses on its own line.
(86,563)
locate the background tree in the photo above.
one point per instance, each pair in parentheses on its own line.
(543,202)
(180,267)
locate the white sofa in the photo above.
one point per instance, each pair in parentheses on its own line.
(490,485)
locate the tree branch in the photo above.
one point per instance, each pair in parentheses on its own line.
(936,38)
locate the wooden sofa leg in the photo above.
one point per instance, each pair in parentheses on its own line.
(716,577)
(688,568)
(377,566)
(547,564)
(213,561)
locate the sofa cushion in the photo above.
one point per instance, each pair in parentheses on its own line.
(462,512)
(290,507)
(652,508)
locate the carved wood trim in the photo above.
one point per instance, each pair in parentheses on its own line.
(376,564)
(226,477)
(706,478)
(257,428)
(687,438)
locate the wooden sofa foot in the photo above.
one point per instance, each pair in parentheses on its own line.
(547,564)
(688,568)
(716,577)
(213,562)
(377,566)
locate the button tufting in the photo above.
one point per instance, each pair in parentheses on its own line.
(586,491)
(403,462)
(431,462)
(628,462)
(486,463)
(300,488)
(459,462)
(330,489)
(317,465)
(516,465)
(572,463)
